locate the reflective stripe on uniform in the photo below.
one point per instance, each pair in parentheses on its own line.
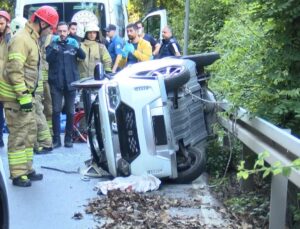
(17,157)
(20,87)
(43,135)
(45,75)
(40,87)
(16,56)
(29,154)
(7,90)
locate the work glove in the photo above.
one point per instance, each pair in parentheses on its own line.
(26,103)
(128,47)
(72,42)
(55,38)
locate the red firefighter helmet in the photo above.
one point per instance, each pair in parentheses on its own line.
(4,14)
(47,14)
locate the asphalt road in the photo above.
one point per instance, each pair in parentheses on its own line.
(51,203)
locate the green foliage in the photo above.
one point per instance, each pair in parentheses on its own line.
(260,167)
(260,65)
(295,209)
(258,205)
(7,5)
(218,155)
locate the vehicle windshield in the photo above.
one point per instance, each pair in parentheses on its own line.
(67,10)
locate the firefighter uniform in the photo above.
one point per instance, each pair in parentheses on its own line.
(44,139)
(17,88)
(47,101)
(95,53)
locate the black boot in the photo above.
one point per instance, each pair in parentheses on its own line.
(43,150)
(56,142)
(33,176)
(21,181)
(69,130)
(68,140)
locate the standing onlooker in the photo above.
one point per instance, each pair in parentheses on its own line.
(169,46)
(115,46)
(95,52)
(73,31)
(148,37)
(4,20)
(20,83)
(136,49)
(62,54)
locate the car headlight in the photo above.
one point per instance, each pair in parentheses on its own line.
(112,96)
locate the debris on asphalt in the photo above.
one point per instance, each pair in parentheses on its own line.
(60,170)
(139,184)
(126,209)
(77,216)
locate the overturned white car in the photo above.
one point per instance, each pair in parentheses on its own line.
(148,118)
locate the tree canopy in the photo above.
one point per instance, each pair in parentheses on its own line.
(259,44)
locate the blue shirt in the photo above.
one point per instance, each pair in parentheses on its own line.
(115,47)
(131,59)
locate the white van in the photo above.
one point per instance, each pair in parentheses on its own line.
(102,12)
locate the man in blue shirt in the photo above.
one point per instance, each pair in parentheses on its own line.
(115,46)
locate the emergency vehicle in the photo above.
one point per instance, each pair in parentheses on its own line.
(101,12)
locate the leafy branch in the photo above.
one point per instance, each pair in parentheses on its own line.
(261,167)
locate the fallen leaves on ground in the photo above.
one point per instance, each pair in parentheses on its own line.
(134,210)
(77,215)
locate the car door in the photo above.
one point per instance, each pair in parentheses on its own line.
(154,23)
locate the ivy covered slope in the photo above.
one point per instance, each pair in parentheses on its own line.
(260,69)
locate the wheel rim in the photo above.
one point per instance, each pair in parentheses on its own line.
(168,72)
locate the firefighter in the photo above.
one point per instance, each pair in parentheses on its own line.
(4,20)
(43,143)
(47,101)
(95,52)
(17,88)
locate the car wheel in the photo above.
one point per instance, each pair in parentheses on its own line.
(175,76)
(192,167)
(95,136)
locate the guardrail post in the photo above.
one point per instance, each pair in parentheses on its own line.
(279,188)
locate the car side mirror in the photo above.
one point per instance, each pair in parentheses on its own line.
(99,73)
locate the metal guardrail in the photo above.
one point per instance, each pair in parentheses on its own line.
(259,136)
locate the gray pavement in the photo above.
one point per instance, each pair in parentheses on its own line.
(52,202)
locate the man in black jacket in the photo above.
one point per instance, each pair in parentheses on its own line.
(62,54)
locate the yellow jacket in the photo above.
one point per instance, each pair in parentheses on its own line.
(95,53)
(22,65)
(3,57)
(143,52)
(44,42)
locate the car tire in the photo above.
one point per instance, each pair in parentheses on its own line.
(198,156)
(175,81)
(95,136)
